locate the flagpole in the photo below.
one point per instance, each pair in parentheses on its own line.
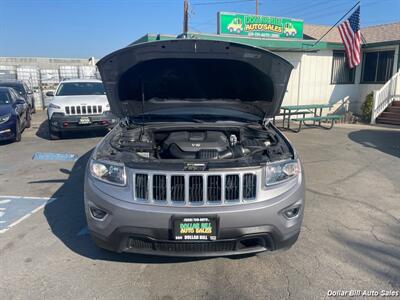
(355,5)
(363,38)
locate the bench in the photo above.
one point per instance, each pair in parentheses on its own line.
(318,119)
(304,109)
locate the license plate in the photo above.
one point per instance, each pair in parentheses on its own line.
(84,121)
(195,228)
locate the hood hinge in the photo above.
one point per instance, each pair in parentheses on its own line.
(266,120)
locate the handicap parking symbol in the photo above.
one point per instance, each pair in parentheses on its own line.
(14,209)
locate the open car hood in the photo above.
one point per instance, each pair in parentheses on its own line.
(193,74)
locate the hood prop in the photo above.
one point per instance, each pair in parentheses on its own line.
(143,100)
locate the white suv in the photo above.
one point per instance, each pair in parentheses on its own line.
(79,104)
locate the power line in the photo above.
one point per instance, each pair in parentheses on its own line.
(358,3)
(222,2)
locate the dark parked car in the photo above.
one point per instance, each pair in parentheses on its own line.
(15,114)
(23,90)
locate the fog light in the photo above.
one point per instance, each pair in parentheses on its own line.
(98,213)
(65,124)
(292,212)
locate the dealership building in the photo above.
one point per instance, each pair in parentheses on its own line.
(321,73)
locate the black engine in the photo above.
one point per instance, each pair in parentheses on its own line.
(206,144)
(201,145)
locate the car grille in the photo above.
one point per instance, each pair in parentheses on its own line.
(218,246)
(84,110)
(195,189)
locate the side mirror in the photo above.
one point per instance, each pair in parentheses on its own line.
(20,102)
(50,94)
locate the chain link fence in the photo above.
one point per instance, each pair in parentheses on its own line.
(42,80)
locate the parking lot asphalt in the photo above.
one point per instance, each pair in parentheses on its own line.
(350,238)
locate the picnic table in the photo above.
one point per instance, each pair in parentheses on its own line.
(307,109)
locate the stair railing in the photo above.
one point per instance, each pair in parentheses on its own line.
(385,96)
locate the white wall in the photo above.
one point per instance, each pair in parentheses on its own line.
(310,81)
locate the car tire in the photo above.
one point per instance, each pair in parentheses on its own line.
(53,134)
(18,134)
(28,121)
(33,109)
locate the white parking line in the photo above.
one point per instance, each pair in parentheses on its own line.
(24,217)
(24,197)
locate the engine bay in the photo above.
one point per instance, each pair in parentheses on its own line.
(200,143)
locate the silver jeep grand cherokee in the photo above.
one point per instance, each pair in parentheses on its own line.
(194,168)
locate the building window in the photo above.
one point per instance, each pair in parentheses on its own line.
(341,73)
(377,66)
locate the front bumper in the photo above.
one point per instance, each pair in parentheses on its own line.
(62,122)
(146,229)
(7,130)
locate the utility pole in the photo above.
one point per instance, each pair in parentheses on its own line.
(256,7)
(185,17)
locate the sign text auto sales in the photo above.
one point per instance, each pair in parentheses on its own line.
(260,23)
(259,26)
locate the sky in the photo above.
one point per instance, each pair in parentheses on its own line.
(85,28)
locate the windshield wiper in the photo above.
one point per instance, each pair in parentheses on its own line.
(162,118)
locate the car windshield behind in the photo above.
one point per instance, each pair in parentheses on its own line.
(4,98)
(15,86)
(80,88)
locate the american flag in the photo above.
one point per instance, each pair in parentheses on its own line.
(351,36)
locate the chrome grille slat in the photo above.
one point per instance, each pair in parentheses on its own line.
(214,188)
(178,188)
(141,186)
(195,189)
(159,188)
(249,186)
(232,187)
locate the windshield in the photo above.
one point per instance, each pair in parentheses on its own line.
(4,98)
(80,88)
(199,115)
(17,87)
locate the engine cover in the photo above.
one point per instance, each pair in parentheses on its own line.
(194,141)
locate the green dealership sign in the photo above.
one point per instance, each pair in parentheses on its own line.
(259,26)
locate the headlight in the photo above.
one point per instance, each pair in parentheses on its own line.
(281,171)
(51,105)
(5,118)
(109,172)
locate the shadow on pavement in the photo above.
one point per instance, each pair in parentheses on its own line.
(374,255)
(66,218)
(387,141)
(6,142)
(43,132)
